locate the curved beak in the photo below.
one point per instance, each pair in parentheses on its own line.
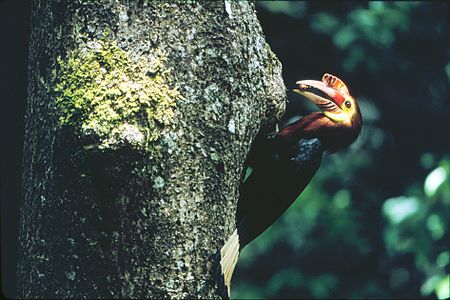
(311,90)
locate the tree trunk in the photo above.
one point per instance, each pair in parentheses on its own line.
(139,119)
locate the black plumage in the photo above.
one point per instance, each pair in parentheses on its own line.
(278,177)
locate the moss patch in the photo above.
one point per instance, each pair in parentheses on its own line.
(108,95)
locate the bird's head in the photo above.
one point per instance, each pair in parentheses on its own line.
(340,120)
(331,95)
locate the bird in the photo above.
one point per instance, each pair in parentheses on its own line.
(285,162)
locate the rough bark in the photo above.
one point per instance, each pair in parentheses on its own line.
(131,172)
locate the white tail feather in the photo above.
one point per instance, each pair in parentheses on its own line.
(229,256)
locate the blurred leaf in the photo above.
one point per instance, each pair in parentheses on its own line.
(342,199)
(436,227)
(439,284)
(443,259)
(400,208)
(294,9)
(322,286)
(443,287)
(284,279)
(427,160)
(377,5)
(344,37)
(430,284)
(324,22)
(248,172)
(437,177)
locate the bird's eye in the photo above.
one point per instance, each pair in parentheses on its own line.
(348,104)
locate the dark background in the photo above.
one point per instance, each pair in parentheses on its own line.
(14,31)
(374,221)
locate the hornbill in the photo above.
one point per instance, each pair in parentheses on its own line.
(285,163)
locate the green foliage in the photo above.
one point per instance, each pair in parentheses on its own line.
(417,224)
(373,223)
(104,92)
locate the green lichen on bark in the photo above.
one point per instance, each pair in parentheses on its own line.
(146,223)
(107,94)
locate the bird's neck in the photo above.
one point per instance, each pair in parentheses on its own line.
(317,125)
(311,125)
